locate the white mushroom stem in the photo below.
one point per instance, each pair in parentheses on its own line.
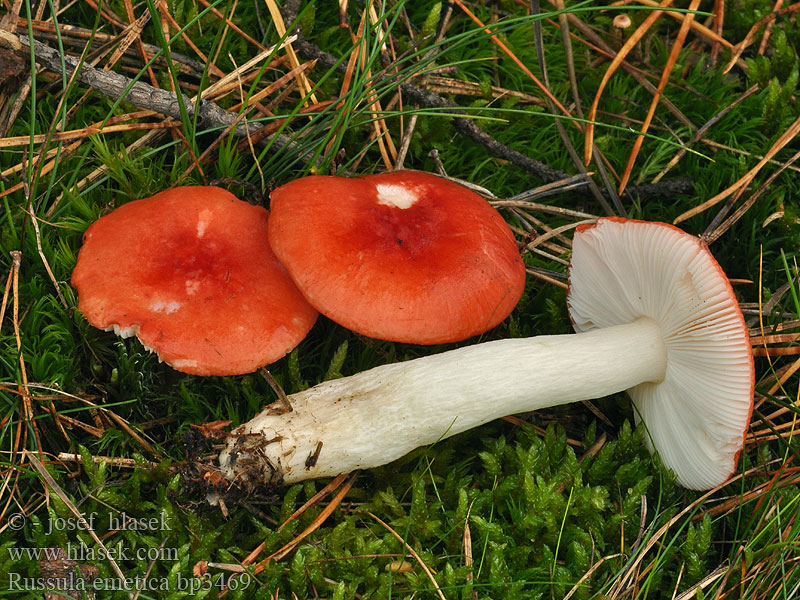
(377,416)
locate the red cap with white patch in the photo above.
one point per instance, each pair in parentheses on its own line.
(404,256)
(190,272)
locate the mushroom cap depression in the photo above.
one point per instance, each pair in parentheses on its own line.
(697,417)
(404,256)
(190,272)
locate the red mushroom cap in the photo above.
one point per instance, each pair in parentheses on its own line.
(190,272)
(404,256)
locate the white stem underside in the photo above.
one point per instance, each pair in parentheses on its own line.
(377,416)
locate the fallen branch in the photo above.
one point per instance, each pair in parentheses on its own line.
(469,129)
(212,116)
(142,95)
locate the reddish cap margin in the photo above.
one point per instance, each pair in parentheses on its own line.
(404,256)
(722,278)
(190,272)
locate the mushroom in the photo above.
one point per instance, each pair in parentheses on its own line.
(404,256)
(190,272)
(655,316)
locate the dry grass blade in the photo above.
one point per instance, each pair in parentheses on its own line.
(412,552)
(35,220)
(445,85)
(53,486)
(629,45)
(280,27)
(620,586)
(558,230)
(133,33)
(6,292)
(544,208)
(781,142)
(466,542)
(321,518)
(360,59)
(280,83)
(83,133)
(27,402)
(588,574)
(706,581)
(546,276)
(719,20)
(739,48)
(507,51)
(774,432)
(130,431)
(716,229)
(313,501)
(673,57)
(712,34)
(718,146)
(703,130)
(60,420)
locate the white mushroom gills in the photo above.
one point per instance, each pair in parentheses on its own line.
(656,317)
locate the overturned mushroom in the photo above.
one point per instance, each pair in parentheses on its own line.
(189,271)
(656,316)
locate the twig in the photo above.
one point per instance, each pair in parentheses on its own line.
(140,94)
(113,461)
(283,399)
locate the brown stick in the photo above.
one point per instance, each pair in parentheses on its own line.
(142,95)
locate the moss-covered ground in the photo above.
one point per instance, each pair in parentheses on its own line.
(559,503)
